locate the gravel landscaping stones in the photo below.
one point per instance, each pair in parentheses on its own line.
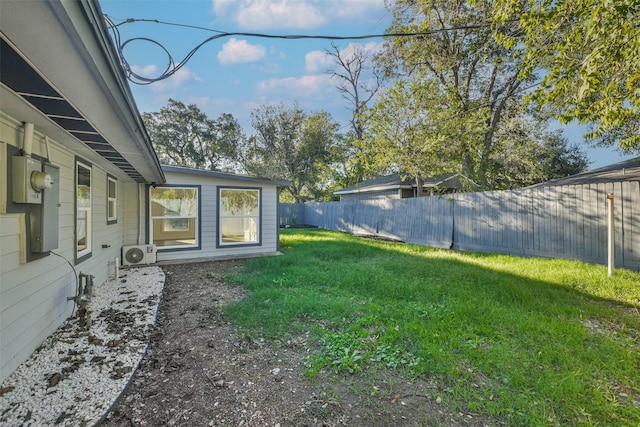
(77,374)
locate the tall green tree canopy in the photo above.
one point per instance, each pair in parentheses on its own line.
(184,136)
(292,145)
(588,54)
(530,153)
(407,137)
(458,102)
(464,63)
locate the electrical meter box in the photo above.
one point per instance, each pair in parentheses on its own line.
(23,168)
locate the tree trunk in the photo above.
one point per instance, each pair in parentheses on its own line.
(419,184)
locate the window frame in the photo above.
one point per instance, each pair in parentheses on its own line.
(197,217)
(219,217)
(86,253)
(112,219)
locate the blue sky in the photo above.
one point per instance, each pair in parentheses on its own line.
(237,74)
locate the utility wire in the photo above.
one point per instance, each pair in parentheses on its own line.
(75,272)
(173,67)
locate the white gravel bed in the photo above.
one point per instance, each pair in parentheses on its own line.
(76,375)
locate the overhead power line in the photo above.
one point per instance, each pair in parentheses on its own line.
(173,67)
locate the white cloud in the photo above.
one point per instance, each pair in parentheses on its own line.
(262,14)
(317,60)
(355,8)
(369,49)
(222,7)
(240,52)
(180,78)
(373,47)
(296,87)
(298,14)
(149,71)
(279,14)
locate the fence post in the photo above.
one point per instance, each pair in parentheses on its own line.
(611,235)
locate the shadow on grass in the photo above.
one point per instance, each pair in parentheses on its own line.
(533,341)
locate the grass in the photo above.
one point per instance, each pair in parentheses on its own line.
(530,341)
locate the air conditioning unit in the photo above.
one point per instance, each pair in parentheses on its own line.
(138,254)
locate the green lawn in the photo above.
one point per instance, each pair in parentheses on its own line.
(530,341)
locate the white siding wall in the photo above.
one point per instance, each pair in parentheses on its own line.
(33,296)
(134,202)
(209,212)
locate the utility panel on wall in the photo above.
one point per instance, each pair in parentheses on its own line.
(44,223)
(27,174)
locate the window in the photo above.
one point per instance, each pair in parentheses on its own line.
(239,216)
(83,211)
(112,200)
(174,217)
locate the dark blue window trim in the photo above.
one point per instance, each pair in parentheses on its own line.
(199,220)
(219,189)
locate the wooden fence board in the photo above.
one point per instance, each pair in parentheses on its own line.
(580,211)
(568,217)
(590,217)
(631,217)
(551,235)
(564,222)
(616,190)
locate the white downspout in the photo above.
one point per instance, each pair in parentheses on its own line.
(46,146)
(140,213)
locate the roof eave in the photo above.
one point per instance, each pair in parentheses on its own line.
(94,13)
(373,189)
(224,175)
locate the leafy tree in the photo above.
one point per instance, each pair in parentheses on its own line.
(530,153)
(559,158)
(416,141)
(184,136)
(292,145)
(589,54)
(464,62)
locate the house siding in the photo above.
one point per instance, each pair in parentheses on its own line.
(33,295)
(209,213)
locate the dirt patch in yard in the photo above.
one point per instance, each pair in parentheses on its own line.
(200,370)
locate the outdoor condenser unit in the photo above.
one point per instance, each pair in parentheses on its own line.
(138,254)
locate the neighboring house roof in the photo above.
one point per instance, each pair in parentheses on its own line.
(395,182)
(71,74)
(627,170)
(224,175)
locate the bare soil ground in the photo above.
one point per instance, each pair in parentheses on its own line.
(202,371)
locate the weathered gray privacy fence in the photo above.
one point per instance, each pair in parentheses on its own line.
(558,222)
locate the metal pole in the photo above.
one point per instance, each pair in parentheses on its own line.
(611,235)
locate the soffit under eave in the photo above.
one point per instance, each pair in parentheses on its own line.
(81,94)
(19,77)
